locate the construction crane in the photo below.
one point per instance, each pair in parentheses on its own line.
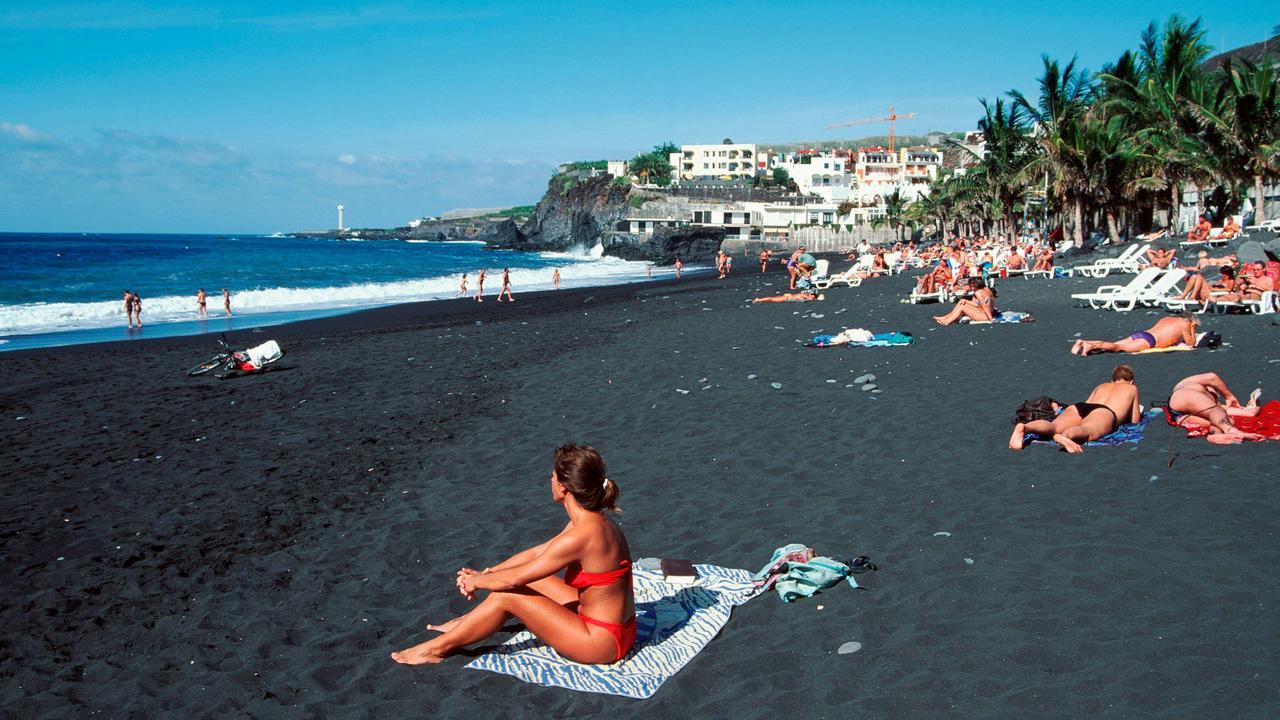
(890,118)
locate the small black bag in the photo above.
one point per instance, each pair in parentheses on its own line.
(1039,409)
(1209,340)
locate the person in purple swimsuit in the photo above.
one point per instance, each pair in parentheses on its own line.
(1167,332)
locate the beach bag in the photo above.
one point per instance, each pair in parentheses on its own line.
(1210,340)
(1040,408)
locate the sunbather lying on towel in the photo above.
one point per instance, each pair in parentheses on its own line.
(1109,406)
(1203,260)
(597,578)
(982,308)
(1205,400)
(804,296)
(1167,332)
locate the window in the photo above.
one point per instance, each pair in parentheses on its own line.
(828,218)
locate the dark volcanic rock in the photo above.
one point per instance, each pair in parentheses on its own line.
(690,244)
(573,214)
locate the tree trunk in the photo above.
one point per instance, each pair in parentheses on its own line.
(1175,205)
(1259,207)
(1077,216)
(1113,227)
(1009,224)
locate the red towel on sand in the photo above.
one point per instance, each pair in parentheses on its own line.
(1266,423)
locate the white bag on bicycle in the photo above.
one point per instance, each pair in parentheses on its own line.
(267,352)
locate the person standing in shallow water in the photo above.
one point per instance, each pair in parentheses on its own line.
(226,301)
(679,267)
(555,278)
(128,306)
(480,286)
(137,308)
(462,288)
(506,285)
(202,304)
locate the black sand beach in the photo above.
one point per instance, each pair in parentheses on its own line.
(188,547)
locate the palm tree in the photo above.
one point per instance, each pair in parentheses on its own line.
(1006,154)
(895,206)
(1246,120)
(1065,96)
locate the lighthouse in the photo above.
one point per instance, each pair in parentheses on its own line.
(340,209)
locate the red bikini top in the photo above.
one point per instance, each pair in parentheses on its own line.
(574,576)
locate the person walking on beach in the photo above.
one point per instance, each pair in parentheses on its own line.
(201,304)
(506,285)
(137,308)
(765,256)
(679,267)
(480,286)
(226,301)
(728,264)
(555,278)
(462,289)
(128,306)
(720,263)
(588,615)
(1109,406)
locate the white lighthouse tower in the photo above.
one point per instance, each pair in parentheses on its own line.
(340,209)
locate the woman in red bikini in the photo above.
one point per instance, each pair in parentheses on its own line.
(589,616)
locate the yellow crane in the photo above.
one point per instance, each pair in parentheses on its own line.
(890,118)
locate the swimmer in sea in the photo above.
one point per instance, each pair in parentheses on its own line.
(1167,332)
(589,615)
(1109,406)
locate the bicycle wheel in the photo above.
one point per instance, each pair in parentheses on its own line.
(207,366)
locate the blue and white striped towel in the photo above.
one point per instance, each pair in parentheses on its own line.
(673,624)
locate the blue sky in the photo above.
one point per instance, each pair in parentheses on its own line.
(257,117)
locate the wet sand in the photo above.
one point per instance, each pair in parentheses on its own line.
(188,547)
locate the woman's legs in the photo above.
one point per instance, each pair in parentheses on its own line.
(552,586)
(952,316)
(553,623)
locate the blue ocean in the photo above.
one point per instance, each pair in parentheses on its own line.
(60,289)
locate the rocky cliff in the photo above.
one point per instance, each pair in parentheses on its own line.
(578,214)
(503,230)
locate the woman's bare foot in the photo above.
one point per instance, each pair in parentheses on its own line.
(1253,397)
(420,654)
(1068,444)
(1075,347)
(1016,439)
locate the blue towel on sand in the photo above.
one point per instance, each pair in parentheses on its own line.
(1128,433)
(673,624)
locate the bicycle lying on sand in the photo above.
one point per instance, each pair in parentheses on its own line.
(230,363)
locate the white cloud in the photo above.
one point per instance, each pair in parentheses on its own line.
(347,159)
(24,133)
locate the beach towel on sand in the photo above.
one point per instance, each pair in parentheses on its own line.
(893,339)
(1267,422)
(1005,316)
(1127,433)
(673,624)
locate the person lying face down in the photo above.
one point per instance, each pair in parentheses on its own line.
(802,296)
(1167,332)
(1109,406)
(1204,400)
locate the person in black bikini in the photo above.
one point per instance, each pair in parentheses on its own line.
(1109,406)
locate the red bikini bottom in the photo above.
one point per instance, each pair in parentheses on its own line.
(624,635)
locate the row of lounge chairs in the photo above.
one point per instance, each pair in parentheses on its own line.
(1156,287)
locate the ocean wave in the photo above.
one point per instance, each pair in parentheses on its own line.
(579,271)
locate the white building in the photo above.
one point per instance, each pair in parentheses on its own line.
(726,161)
(617,168)
(827,176)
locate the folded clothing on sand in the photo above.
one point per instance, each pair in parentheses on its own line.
(1005,316)
(862,338)
(1266,423)
(1127,433)
(795,572)
(673,624)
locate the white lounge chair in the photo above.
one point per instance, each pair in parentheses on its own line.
(819,272)
(1164,288)
(848,277)
(1127,262)
(1104,296)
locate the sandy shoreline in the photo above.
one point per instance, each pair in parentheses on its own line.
(190,547)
